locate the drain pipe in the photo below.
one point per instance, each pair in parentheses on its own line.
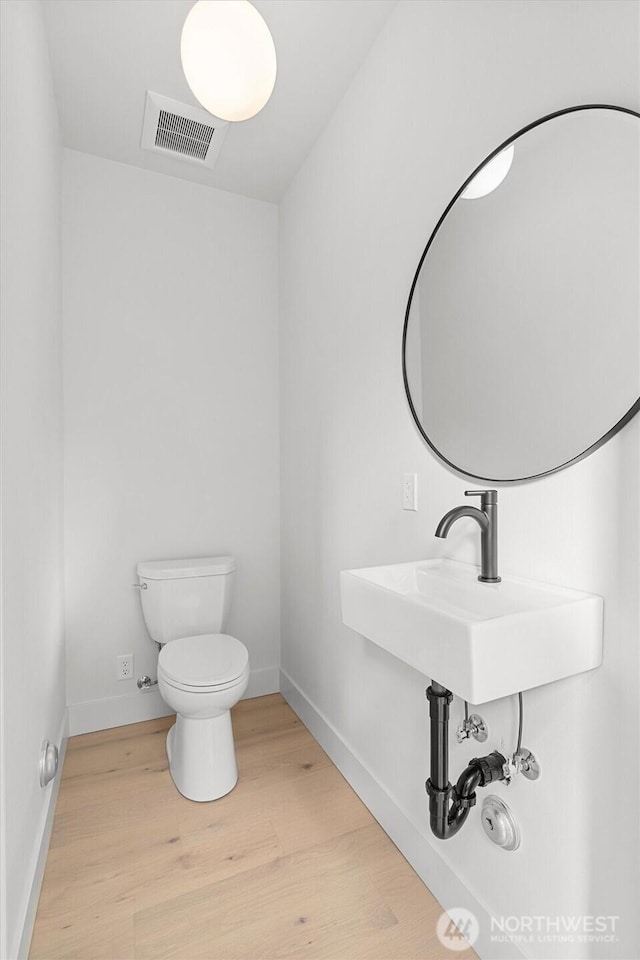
(447,820)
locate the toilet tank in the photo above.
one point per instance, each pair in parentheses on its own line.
(185,598)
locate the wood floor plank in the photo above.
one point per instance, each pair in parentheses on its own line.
(117,754)
(315,809)
(136,869)
(131,731)
(262,716)
(289,865)
(272,911)
(85,937)
(286,757)
(113,808)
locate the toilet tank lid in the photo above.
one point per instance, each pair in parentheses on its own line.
(179,569)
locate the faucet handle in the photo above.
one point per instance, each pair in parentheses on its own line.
(488,496)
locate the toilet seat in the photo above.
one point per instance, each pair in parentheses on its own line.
(201,690)
(213,661)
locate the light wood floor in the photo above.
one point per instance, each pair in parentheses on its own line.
(289,864)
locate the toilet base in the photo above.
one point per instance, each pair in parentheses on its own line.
(202,757)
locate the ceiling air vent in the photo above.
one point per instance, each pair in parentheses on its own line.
(179,130)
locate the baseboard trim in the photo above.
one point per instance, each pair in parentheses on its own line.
(135,707)
(423,856)
(110,712)
(24,944)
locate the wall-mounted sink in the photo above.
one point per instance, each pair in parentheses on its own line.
(480,640)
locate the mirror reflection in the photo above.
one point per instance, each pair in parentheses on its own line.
(522,336)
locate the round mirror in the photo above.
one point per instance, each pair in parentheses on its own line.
(521,345)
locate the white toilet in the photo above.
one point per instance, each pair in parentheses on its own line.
(202,673)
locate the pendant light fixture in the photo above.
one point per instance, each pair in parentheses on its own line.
(228,58)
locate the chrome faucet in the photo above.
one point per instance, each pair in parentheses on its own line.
(487,519)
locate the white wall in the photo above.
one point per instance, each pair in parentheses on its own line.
(444,83)
(32,671)
(171,415)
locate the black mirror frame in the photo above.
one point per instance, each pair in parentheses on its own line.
(633,410)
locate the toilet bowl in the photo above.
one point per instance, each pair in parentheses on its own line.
(202,673)
(201,678)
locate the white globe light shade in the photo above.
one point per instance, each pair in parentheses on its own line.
(228,57)
(491,176)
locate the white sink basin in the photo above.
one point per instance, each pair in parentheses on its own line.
(480,640)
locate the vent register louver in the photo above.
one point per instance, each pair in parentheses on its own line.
(183,136)
(181,131)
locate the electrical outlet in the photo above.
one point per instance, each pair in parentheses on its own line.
(410,491)
(125,666)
